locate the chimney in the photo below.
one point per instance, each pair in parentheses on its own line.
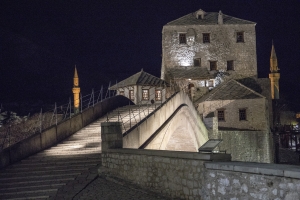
(220,17)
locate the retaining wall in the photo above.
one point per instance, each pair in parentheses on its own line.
(175,174)
(189,175)
(57,133)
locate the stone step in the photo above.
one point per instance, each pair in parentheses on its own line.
(34,173)
(35,182)
(30,188)
(46,193)
(38,177)
(44,168)
(60,162)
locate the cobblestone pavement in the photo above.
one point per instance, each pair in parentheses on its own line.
(111,189)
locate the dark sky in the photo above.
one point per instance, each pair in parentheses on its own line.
(41,41)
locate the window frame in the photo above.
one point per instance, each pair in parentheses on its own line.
(230,67)
(131,95)
(242,114)
(197,60)
(210,65)
(206,37)
(145,97)
(240,37)
(158,95)
(221,115)
(182,38)
(122,92)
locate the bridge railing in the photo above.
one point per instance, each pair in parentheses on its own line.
(144,108)
(17,128)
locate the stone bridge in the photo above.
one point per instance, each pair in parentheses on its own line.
(174,125)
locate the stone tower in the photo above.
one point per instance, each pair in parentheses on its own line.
(274,75)
(210,42)
(76,91)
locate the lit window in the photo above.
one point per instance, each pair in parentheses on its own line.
(242,114)
(145,95)
(131,95)
(221,115)
(157,95)
(210,83)
(197,62)
(206,38)
(213,65)
(230,65)
(240,37)
(182,38)
(121,93)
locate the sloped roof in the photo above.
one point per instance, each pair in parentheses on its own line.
(228,90)
(141,78)
(189,73)
(210,18)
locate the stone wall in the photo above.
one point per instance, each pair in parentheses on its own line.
(222,47)
(237,180)
(248,146)
(171,173)
(256,112)
(188,175)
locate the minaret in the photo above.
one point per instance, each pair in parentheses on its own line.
(76,91)
(274,75)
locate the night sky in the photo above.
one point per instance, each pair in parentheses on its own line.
(41,41)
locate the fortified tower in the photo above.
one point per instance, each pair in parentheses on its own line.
(76,91)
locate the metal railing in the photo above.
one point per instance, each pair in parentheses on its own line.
(144,107)
(19,129)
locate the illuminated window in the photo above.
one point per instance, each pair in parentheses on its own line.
(221,115)
(206,38)
(210,83)
(230,65)
(213,65)
(121,93)
(157,95)
(145,94)
(182,38)
(197,62)
(240,37)
(131,95)
(242,114)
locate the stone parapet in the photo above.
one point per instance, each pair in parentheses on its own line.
(171,173)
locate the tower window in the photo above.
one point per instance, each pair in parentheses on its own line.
(213,65)
(206,38)
(242,114)
(221,115)
(157,95)
(197,62)
(182,38)
(230,65)
(240,37)
(145,94)
(131,95)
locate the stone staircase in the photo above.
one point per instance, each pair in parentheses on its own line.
(62,171)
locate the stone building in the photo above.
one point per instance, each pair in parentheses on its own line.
(142,88)
(208,44)
(212,56)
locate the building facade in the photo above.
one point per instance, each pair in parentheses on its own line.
(212,56)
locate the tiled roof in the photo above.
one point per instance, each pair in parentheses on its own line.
(140,78)
(195,73)
(210,18)
(228,90)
